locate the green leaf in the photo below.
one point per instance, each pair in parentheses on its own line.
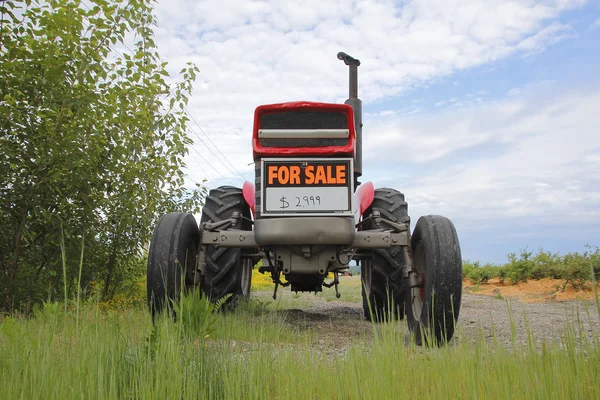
(87,145)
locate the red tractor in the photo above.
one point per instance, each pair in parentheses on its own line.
(307,215)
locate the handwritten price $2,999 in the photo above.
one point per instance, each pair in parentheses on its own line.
(304,201)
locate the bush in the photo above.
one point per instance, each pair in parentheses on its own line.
(575,268)
(545,265)
(261,281)
(484,274)
(519,268)
(479,274)
(502,274)
(468,268)
(593,255)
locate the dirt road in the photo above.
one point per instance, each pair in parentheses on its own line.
(335,322)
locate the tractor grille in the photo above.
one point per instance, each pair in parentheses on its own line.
(305,120)
(291,142)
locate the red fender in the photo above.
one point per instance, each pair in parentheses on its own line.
(365,195)
(248,192)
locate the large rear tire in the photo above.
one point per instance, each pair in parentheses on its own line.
(171,259)
(226,272)
(383,287)
(433,303)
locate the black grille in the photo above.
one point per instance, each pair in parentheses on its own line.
(304,119)
(283,142)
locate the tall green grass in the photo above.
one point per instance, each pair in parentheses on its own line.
(257,352)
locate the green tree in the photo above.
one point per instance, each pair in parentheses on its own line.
(92,142)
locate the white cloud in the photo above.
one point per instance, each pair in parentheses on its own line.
(532,158)
(547,36)
(254,52)
(595,24)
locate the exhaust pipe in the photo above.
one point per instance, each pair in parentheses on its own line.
(354,102)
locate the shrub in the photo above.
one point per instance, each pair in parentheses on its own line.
(261,281)
(545,264)
(478,273)
(593,254)
(502,273)
(519,268)
(468,268)
(576,270)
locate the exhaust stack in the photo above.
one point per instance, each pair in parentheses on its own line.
(354,102)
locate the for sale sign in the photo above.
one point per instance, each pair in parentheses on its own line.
(307,186)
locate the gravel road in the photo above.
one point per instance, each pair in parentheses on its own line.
(340,323)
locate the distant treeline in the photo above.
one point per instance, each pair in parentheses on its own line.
(575,268)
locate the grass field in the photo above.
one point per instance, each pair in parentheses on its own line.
(256,353)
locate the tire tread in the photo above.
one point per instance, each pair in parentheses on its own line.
(387,264)
(223,265)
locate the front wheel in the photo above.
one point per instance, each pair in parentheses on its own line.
(171,259)
(227,273)
(434,299)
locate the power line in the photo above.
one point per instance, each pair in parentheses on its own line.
(210,164)
(199,164)
(208,137)
(235,172)
(239,176)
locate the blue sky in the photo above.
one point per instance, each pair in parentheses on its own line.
(486,111)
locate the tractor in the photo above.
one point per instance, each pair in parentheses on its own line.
(307,216)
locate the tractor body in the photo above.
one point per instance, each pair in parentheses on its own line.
(307,215)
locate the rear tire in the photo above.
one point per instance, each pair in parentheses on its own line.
(171,259)
(433,305)
(226,272)
(383,287)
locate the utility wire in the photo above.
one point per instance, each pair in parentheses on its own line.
(216,147)
(210,164)
(239,176)
(235,172)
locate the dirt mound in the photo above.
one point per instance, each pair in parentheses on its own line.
(532,291)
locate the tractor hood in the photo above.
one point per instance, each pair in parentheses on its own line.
(303,128)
